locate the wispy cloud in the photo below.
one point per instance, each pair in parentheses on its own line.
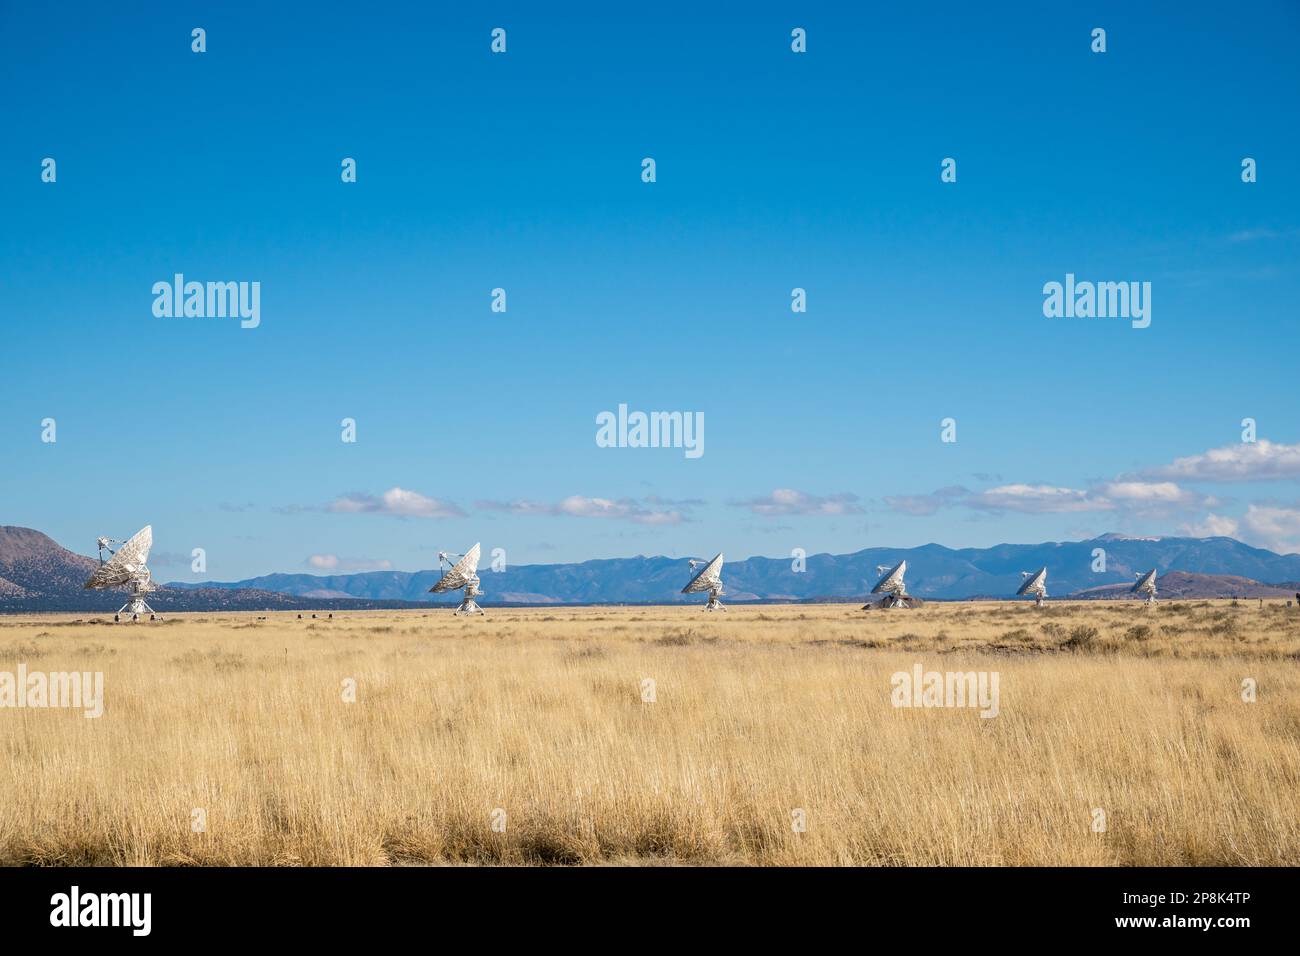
(398,502)
(1153,494)
(674,502)
(1253,235)
(518,506)
(1132,495)
(787,501)
(1261,233)
(332,562)
(1037,499)
(652,510)
(921,505)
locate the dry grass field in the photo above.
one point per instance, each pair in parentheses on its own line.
(761,718)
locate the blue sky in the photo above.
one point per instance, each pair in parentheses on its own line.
(522,170)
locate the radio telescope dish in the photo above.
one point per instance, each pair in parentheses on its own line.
(1036,584)
(891,585)
(462,574)
(1146,585)
(709,578)
(126,570)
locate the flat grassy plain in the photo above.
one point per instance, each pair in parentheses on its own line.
(523,738)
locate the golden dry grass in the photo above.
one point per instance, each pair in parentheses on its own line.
(759,712)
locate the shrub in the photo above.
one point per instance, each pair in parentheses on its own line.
(1081,638)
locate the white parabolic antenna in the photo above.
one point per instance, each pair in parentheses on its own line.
(709,578)
(462,574)
(1146,584)
(126,569)
(1036,584)
(891,585)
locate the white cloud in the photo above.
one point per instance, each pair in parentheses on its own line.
(1038,499)
(1132,496)
(787,501)
(332,562)
(1153,494)
(1274,527)
(1143,490)
(398,502)
(581,506)
(518,506)
(1246,461)
(1214,526)
(648,511)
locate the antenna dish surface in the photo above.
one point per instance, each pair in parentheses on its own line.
(1034,583)
(893,579)
(1146,583)
(460,574)
(128,564)
(709,577)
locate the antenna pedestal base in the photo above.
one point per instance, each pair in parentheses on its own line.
(135,606)
(468,606)
(714,604)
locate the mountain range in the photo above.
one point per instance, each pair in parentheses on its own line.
(36,574)
(933,572)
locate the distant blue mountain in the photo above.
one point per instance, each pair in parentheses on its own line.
(933,572)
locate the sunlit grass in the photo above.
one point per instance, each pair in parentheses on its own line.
(758,713)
